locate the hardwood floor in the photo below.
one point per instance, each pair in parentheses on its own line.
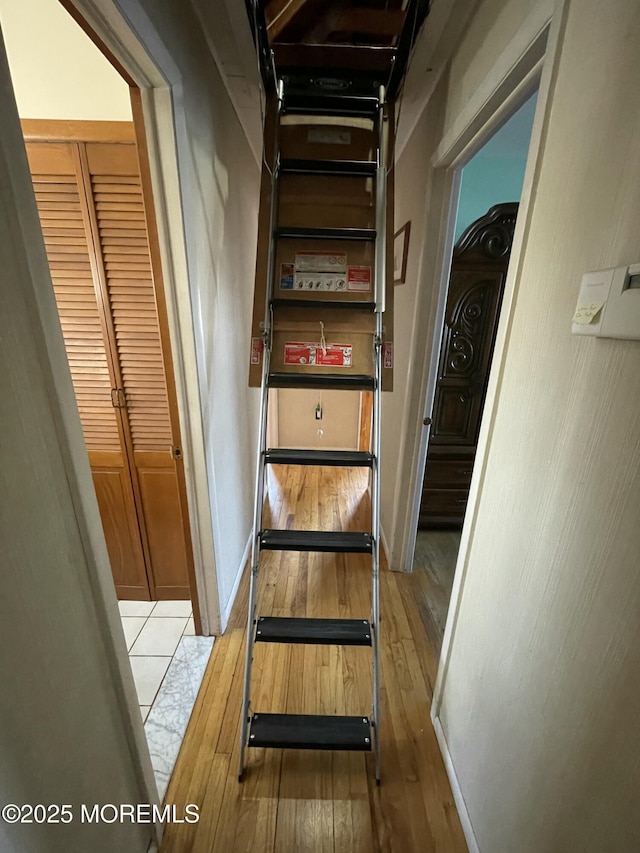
(434,564)
(293,801)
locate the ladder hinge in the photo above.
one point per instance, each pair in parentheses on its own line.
(265,329)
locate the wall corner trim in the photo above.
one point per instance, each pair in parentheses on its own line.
(236,584)
(512,79)
(461,806)
(385,547)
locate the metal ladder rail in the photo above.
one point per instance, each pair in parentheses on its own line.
(380,287)
(262,435)
(380,284)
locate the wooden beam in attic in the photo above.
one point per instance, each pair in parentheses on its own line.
(280,13)
(374,23)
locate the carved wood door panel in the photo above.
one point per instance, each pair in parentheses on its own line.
(465,356)
(476,285)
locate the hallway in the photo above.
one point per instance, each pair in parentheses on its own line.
(434,565)
(318,801)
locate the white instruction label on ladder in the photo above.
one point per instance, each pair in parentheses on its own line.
(329,136)
(322,281)
(320,271)
(332,262)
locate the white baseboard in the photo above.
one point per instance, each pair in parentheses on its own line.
(465,820)
(385,547)
(236,584)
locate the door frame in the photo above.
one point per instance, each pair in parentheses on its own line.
(136,50)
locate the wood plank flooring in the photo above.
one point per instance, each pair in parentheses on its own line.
(434,565)
(322,802)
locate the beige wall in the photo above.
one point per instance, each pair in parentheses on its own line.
(57,72)
(420,192)
(298,427)
(220,185)
(219,181)
(414,307)
(541,694)
(490,30)
(229,37)
(64,735)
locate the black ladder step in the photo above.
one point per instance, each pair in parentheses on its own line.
(330,105)
(346,458)
(340,632)
(328,541)
(346,382)
(327,304)
(352,110)
(351,168)
(295,232)
(310,731)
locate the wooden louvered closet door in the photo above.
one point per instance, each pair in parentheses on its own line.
(92,212)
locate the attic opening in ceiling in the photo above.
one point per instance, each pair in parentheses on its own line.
(338,46)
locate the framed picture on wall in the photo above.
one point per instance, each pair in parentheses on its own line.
(401,253)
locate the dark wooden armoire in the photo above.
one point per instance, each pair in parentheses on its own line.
(476,285)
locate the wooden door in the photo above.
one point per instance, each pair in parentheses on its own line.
(119,227)
(92,212)
(476,285)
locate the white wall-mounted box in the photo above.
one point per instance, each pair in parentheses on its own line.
(609,304)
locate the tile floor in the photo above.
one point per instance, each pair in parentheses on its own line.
(168,663)
(153,630)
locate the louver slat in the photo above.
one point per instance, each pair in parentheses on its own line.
(67,251)
(118,201)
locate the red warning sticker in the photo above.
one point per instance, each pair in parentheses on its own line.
(332,355)
(256,350)
(295,353)
(387,354)
(359,278)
